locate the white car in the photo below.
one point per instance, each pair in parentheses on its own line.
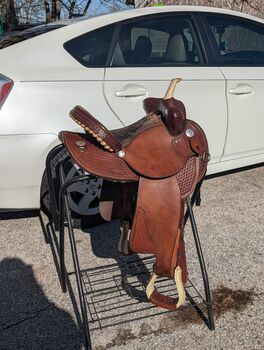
(109,64)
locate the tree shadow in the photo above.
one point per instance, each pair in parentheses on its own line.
(28,320)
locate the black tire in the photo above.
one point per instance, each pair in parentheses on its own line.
(82,218)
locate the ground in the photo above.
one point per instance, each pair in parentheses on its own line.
(35,314)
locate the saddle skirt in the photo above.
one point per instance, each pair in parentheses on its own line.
(155,165)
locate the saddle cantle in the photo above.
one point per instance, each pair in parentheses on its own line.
(152,166)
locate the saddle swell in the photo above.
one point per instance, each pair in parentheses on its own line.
(146,146)
(166,155)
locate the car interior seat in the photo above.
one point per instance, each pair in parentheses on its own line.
(142,50)
(176,50)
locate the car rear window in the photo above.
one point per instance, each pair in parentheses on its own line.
(16,37)
(91,49)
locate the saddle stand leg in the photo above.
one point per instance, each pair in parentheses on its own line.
(65,209)
(61,220)
(190,214)
(62,240)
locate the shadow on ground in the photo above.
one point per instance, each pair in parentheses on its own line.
(104,244)
(28,320)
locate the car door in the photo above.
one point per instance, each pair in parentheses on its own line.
(239,46)
(152,50)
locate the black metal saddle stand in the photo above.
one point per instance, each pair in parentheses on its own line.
(61,218)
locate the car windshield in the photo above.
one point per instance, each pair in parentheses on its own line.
(15,37)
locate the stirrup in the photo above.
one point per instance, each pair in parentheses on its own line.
(164,301)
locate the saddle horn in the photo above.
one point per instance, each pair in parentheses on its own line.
(171,88)
(172,111)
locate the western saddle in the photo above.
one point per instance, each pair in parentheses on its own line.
(149,169)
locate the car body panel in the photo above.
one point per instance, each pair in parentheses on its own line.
(22,160)
(29,125)
(246,119)
(43,107)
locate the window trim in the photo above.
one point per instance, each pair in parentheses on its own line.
(212,40)
(206,40)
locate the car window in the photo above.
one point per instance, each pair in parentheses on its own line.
(239,42)
(158,41)
(91,49)
(12,38)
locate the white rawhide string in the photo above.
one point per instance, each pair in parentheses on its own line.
(178,282)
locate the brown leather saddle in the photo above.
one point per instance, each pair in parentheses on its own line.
(150,168)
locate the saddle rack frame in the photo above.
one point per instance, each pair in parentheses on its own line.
(61,218)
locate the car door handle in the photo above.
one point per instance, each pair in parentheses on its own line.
(241,89)
(131,90)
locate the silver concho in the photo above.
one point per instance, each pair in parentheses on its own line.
(189,132)
(121,154)
(80,144)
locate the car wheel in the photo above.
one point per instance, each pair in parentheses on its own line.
(83,197)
